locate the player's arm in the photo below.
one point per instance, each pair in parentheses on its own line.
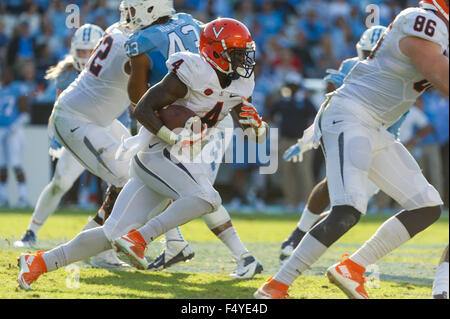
(164,93)
(137,84)
(428,59)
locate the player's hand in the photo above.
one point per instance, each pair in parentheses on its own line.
(193,132)
(130,146)
(293,154)
(249,115)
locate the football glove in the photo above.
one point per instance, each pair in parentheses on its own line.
(334,76)
(130,146)
(186,136)
(293,154)
(249,116)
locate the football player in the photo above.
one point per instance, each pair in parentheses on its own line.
(351,127)
(14,113)
(440,283)
(157,35)
(319,199)
(68,169)
(226,69)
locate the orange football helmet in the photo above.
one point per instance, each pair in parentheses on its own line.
(440,5)
(228,47)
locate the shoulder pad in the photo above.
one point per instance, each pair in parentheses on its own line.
(347,65)
(142,41)
(423,24)
(190,68)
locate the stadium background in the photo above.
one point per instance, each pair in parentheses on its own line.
(296,40)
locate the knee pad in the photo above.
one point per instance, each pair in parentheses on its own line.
(418,220)
(60,184)
(216,218)
(212,197)
(336,224)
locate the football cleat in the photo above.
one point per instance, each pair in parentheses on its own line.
(28,240)
(175,251)
(247,267)
(108,260)
(31,267)
(272,289)
(443,295)
(288,246)
(348,276)
(133,246)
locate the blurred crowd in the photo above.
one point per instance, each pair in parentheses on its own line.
(295,39)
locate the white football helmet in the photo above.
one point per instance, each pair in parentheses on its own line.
(85,38)
(144,12)
(368,40)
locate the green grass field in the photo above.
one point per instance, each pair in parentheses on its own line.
(405,273)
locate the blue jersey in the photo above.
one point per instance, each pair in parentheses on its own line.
(9,102)
(66,78)
(158,42)
(337,78)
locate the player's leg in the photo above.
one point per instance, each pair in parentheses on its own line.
(347,149)
(318,201)
(132,209)
(15,149)
(67,171)
(93,146)
(192,192)
(4,202)
(393,169)
(440,283)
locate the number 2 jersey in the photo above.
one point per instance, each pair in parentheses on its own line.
(205,95)
(387,83)
(99,94)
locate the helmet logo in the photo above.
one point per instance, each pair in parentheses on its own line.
(217,34)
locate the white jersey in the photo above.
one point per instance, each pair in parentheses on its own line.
(205,95)
(99,94)
(387,84)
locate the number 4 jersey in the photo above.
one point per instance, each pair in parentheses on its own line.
(205,95)
(387,83)
(99,94)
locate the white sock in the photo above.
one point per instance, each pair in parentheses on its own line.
(307,220)
(231,239)
(440,283)
(178,213)
(389,236)
(174,234)
(34,226)
(3,191)
(23,193)
(91,224)
(86,244)
(307,253)
(46,205)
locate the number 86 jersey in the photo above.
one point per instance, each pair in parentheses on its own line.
(205,95)
(387,84)
(99,94)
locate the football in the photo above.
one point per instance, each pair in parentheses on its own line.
(175,116)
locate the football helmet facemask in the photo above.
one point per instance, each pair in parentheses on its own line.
(228,47)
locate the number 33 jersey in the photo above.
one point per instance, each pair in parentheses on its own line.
(99,94)
(205,95)
(387,83)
